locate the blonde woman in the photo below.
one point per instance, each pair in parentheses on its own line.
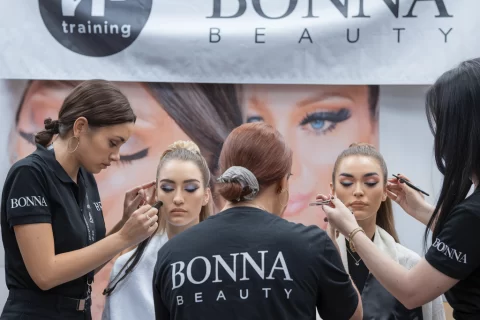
(183,178)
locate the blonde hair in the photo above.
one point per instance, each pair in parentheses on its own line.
(385,218)
(179,150)
(187,151)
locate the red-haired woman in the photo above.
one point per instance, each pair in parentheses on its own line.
(247,262)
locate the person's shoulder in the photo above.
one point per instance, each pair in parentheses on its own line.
(30,164)
(470,205)
(467,211)
(305,237)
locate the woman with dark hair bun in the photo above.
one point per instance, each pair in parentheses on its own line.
(53,228)
(246,262)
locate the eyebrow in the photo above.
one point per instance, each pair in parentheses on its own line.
(348,175)
(185,181)
(322,96)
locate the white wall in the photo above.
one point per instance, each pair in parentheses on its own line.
(407,145)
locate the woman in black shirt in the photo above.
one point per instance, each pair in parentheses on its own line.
(452,263)
(51,215)
(246,262)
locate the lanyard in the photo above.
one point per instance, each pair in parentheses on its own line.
(90,225)
(88,219)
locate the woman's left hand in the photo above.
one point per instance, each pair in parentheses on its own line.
(137,197)
(338,214)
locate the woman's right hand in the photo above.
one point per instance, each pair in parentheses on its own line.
(411,201)
(141,225)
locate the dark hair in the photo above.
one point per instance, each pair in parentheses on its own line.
(99,101)
(385,218)
(373,94)
(453,113)
(259,148)
(179,150)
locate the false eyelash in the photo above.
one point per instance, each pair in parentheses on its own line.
(128,158)
(335,117)
(29,137)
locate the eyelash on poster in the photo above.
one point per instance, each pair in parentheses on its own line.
(339,116)
(335,117)
(126,159)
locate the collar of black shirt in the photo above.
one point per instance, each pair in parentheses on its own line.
(48,156)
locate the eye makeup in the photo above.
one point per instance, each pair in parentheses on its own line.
(191,188)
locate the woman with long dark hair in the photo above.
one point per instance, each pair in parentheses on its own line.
(452,263)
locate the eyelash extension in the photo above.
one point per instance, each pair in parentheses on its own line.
(335,117)
(128,158)
(29,137)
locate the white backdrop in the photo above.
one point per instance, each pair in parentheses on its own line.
(170,40)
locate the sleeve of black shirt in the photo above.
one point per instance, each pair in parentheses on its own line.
(161,311)
(454,251)
(27,201)
(337,298)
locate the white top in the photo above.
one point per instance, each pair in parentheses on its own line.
(133,296)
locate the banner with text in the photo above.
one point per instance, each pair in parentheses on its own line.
(237,41)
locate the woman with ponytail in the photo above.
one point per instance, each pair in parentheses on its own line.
(359,180)
(53,228)
(183,192)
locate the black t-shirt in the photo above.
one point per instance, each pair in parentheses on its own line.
(38,190)
(456,253)
(245,263)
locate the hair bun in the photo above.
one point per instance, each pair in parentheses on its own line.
(182,144)
(51,125)
(362,144)
(233,191)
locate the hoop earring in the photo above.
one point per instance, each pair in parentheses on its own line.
(288,196)
(68,144)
